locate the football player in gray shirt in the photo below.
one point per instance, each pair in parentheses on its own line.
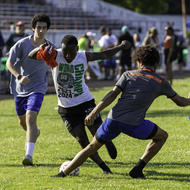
(28,82)
(138,88)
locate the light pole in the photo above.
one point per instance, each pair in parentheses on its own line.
(184,18)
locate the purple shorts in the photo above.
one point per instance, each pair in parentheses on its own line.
(32,102)
(111,129)
(110,63)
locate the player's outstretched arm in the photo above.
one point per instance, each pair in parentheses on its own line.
(33,53)
(106,101)
(181,101)
(45,52)
(92,56)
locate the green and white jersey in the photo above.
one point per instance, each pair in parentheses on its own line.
(69,80)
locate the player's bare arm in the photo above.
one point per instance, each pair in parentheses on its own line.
(33,53)
(106,101)
(45,52)
(22,79)
(181,101)
(11,68)
(92,56)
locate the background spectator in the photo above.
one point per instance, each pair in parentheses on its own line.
(125,54)
(2,43)
(17,35)
(137,40)
(152,38)
(109,40)
(83,43)
(169,51)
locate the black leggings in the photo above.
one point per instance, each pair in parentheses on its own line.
(79,132)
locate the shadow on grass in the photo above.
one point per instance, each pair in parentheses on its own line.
(11,165)
(150,174)
(170,165)
(149,170)
(116,164)
(35,165)
(154,175)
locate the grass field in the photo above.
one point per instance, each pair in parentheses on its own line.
(170,169)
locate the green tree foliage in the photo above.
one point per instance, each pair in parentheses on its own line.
(175,7)
(152,7)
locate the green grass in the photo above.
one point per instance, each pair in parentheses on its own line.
(170,169)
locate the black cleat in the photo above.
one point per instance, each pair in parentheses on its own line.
(60,174)
(27,161)
(136,173)
(112,151)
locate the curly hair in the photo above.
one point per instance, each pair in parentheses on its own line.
(148,55)
(69,40)
(41,18)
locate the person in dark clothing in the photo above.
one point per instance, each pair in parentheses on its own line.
(170,53)
(151,38)
(125,55)
(127,116)
(17,35)
(2,43)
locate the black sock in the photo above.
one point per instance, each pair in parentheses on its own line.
(105,167)
(141,164)
(62,174)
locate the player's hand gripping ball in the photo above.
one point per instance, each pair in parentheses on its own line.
(75,172)
(48,54)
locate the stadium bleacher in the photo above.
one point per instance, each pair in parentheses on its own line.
(62,18)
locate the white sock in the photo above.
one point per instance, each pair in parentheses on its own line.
(30,148)
(25,147)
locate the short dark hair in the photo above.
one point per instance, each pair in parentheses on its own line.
(148,55)
(169,28)
(69,40)
(109,31)
(41,17)
(102,29)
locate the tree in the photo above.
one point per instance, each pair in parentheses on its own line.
(152,7)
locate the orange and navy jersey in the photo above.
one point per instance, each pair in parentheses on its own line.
(139,89)
(167,42)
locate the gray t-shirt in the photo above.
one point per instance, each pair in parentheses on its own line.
(34,69)
(139,89)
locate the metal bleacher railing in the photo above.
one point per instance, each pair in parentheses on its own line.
(64,18)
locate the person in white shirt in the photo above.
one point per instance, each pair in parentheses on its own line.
(75,101)
(107,41)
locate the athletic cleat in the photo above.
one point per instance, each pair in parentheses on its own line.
(60,174)
(112,151)
(136,173)
(27,161)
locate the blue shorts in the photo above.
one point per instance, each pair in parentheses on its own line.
(110,63)
(32,102)
(111,129)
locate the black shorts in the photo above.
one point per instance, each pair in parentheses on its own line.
(125,61)
(74,116)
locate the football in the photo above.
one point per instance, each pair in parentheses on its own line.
(75,172)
